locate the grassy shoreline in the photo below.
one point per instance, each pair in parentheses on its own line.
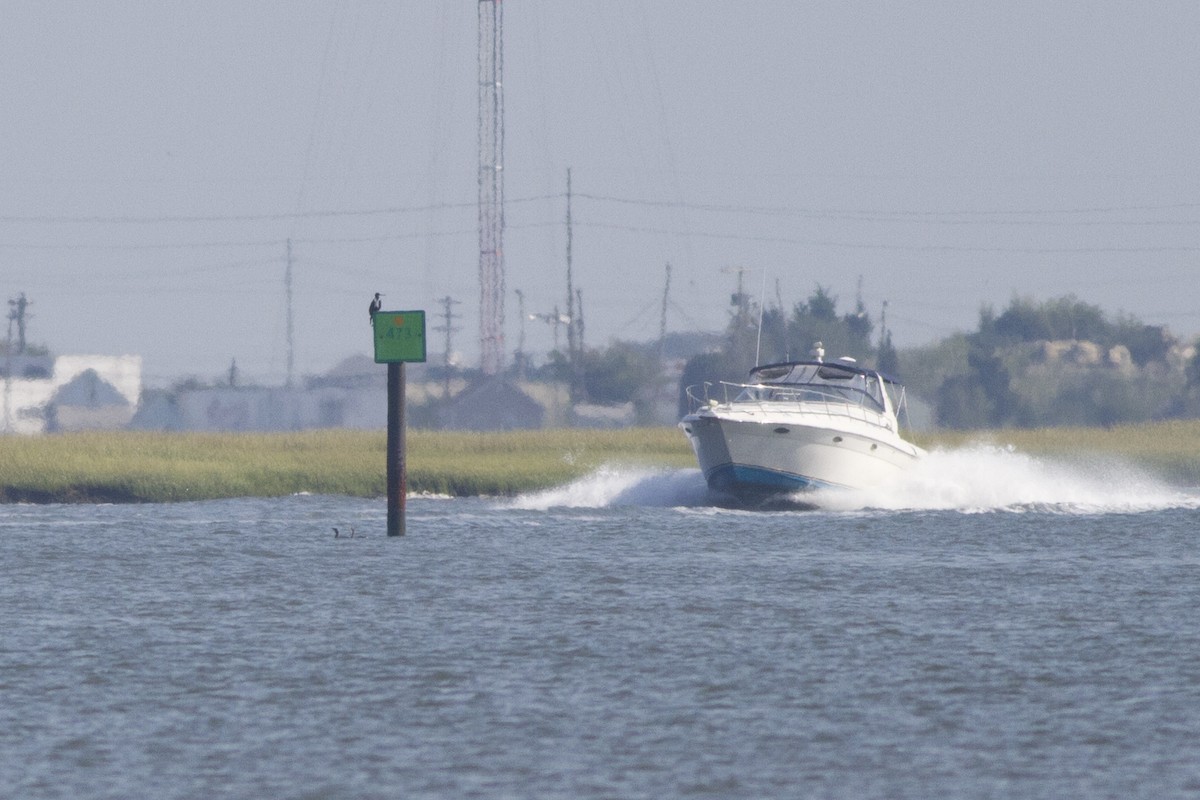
(136,467)
(124,467)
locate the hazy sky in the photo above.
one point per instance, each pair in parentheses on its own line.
(158,155)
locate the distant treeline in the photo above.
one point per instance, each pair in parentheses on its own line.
(1037,363)
(1056,362)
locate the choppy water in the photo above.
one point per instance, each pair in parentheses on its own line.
(996,627)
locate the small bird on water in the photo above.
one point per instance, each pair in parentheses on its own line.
(373,309)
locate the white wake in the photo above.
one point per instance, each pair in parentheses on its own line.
(985,478)
(623,486)
(970,480)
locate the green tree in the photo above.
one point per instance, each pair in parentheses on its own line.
(888,360)
(1146,343)
(617,373)
(858,327)
(961,403)
(982,396)
(1026,320)
(613,374)
(821,305)
(816,320)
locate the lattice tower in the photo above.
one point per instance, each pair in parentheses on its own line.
(491,187)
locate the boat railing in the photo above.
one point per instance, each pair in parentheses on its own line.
(902,413)
(837,401)
(808,393)
(697,395)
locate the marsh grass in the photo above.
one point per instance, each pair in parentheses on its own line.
(160,467)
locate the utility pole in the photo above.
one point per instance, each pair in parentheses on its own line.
(287,283)
(741,319)
(8,354)
(739,299)
(580,374)
(572,336)
(521,334)
(447,328)
(662,322)
(557,319)
(17,313)
(491,186)
(579,332)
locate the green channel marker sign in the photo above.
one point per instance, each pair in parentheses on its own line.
(399,337)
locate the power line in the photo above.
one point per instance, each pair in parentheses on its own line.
(708,234)
(287,285)
(871,213)
(243,243)
(129,219)
(896,247)
(209,218)
(907,217)
(962,216)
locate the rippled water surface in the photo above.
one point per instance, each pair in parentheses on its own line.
(621,637)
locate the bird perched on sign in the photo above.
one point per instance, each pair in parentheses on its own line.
(373,309)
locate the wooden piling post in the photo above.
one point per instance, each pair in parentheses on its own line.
(397,457)
(399,338)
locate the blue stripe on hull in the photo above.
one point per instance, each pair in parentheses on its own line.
(741,478)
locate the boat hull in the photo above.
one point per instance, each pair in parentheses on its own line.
(802,452)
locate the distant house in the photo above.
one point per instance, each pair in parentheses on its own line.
(76,393)
(354,372)
(278,409)
(491,404)
(88,403)
(157,412)
(354,395)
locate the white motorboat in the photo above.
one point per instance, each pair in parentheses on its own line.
(800,425)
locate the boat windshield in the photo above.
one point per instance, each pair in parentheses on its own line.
(805,383)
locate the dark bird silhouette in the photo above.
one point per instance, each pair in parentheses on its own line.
(373,309)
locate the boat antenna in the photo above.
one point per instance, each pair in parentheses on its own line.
(762,296)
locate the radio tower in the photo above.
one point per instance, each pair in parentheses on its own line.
(491,187)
